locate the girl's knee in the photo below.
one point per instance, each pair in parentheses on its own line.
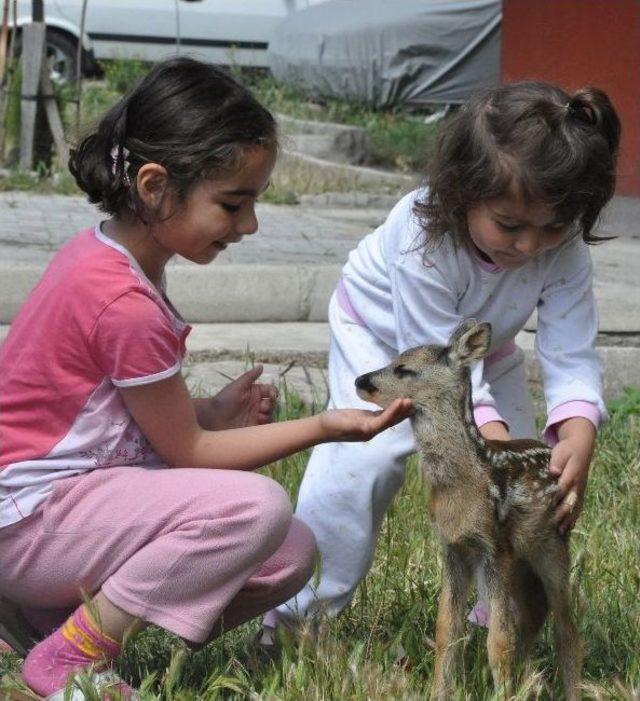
(303,552)
(271,513)
(292,566)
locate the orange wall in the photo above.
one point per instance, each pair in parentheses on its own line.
(576,43)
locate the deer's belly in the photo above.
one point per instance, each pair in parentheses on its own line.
(458,517)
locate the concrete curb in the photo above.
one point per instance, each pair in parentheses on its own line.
(299,352)
(305,345)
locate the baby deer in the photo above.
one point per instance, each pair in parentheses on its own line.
(491,503)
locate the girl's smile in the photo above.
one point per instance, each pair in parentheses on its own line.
(214,214)
(218,212)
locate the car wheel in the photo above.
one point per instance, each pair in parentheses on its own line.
(61,56)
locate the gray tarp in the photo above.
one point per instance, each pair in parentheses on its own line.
(386,52)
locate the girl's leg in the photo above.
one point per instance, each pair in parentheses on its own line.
(93,634)
(347,487)
(80,644)
(171,547)
(275,581)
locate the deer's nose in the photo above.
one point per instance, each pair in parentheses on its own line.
(364,383)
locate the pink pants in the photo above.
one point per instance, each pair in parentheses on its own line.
(192,550)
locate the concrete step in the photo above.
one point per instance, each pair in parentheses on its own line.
(295,356)
(339,143)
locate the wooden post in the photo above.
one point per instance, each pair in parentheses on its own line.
(4,39)
(33,46)
(53,117)
(36,89)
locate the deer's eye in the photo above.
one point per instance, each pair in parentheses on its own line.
(402,371)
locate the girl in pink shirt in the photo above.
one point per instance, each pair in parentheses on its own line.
(101,491)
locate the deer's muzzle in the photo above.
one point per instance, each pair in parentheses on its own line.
(365,386)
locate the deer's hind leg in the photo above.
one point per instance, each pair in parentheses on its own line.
(456,581)
(502,638)
(531,605)
(553,570)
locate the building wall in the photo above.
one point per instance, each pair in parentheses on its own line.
(576,43)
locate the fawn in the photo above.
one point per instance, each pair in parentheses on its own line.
(491,503)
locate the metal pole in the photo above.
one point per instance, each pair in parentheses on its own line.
(83,18)
(37,10)
(178,37)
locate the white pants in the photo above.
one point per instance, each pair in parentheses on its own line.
(348,487)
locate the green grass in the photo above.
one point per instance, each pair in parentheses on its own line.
(396,606)
(40,181)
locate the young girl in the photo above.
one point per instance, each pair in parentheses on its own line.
(519,177)
(101,494)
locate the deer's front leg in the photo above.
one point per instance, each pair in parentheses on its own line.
(456,578)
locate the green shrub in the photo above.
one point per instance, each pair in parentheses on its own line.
(122,74)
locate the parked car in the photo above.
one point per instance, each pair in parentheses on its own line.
(227,32)
(411,52)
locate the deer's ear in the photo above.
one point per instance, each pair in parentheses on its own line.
(464,326)
(470,341)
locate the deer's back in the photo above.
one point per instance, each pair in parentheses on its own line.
(510,499)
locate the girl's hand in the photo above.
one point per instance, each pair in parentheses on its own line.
(495,431)
(362,424)
(241,403)
(570,461)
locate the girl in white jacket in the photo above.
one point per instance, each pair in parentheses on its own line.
(517,182)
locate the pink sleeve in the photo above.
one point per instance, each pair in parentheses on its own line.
(569,410)
(134,341)
(484,413)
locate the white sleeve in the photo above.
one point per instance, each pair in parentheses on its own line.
(567,329)
(426,312)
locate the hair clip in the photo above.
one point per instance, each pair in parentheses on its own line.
(121,152)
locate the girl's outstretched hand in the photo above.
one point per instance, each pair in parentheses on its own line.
(243,402)
(362,424)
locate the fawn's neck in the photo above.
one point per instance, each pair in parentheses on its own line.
(450,443)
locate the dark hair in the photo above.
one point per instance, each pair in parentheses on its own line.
(186,115)
(532,140)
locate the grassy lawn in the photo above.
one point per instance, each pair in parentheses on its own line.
(396,606)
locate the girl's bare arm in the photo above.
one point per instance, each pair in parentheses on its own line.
(165,413)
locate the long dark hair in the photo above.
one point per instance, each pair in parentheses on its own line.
(188,116)
(531,140)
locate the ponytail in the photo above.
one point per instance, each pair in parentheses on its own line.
(98,165)
(592,106)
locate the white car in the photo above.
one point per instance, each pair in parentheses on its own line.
(226,32)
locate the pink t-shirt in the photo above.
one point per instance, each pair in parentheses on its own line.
(92,324)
